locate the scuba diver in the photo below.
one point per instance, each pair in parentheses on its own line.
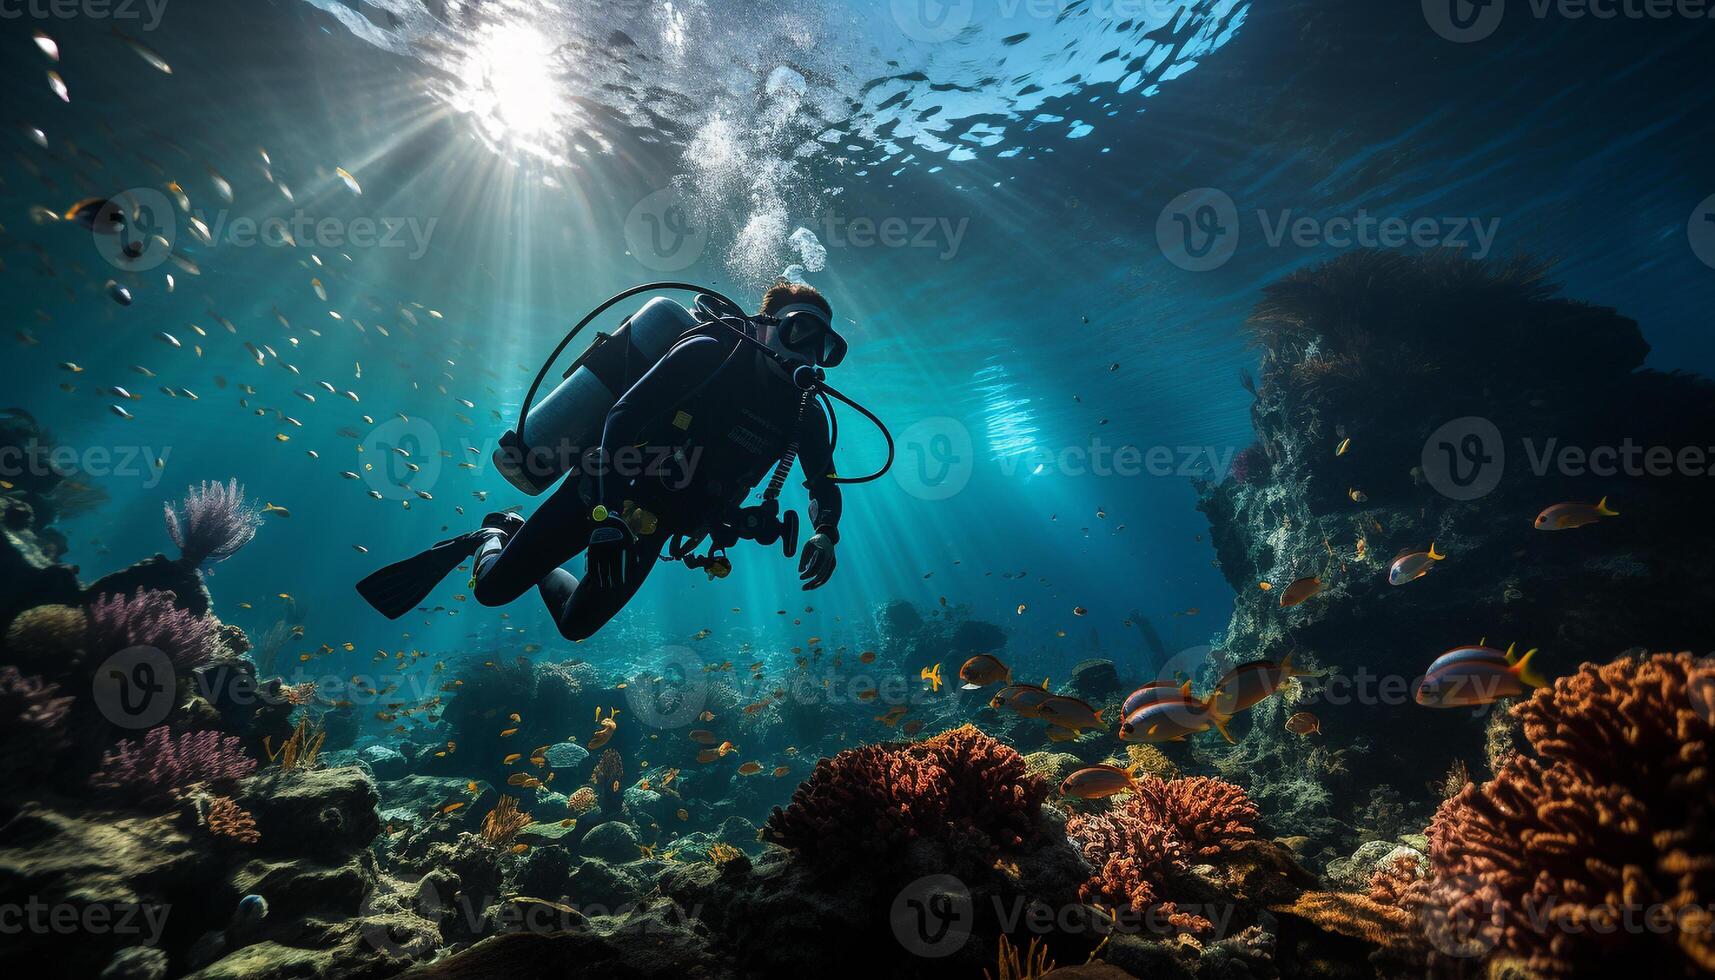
(666,427)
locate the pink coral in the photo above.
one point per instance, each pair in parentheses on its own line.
(1141,845)
(961,787)
(217,522)
(32,712)
(154,619)
(1592,851)
(164,763)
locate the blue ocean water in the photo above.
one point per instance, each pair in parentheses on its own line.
(994,186)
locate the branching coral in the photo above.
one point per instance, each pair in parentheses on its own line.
(1594,849)
(301,749)
(961,787)
(225,818)
(503,823)
(1139,846)
(217,522)
(163,764)
(153,619)
(32,713)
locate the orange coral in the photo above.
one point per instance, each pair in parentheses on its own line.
(1592,853)
(581,801)
(227,819)
(503,823)
(1139,846)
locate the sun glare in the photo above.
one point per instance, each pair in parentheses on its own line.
(509,86)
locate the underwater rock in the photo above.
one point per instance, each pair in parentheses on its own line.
(1095,680)
(661,940)
(158,573)
(323,812)
(136,963)
(384,763)
(613,841)
(417,799)
(598,882)
(1354,873)
(566,755)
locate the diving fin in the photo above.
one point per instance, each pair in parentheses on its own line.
(403,585)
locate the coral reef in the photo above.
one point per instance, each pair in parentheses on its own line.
(1591,853)
(33,716)
(163,763)
(154,619)
(216,523)
(1140,847)
(868,802)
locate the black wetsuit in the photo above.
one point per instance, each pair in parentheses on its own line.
(705,425)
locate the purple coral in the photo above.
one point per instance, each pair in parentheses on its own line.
(1250,463)
(32,714)
(217,522)
(150,618)
(163,763)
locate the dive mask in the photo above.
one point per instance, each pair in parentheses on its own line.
(805,330)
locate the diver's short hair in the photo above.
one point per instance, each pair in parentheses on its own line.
(783,294)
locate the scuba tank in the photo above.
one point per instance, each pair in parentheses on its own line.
(553,434)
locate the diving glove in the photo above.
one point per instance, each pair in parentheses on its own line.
(816,563)
(609,552)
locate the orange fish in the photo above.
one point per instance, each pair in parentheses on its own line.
(704,736)
(932,675)
(1299,591)
(983,670)
(866,657)
(1304,723)
(782,770)
(750,769)
(1096,782)
(1564,517)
